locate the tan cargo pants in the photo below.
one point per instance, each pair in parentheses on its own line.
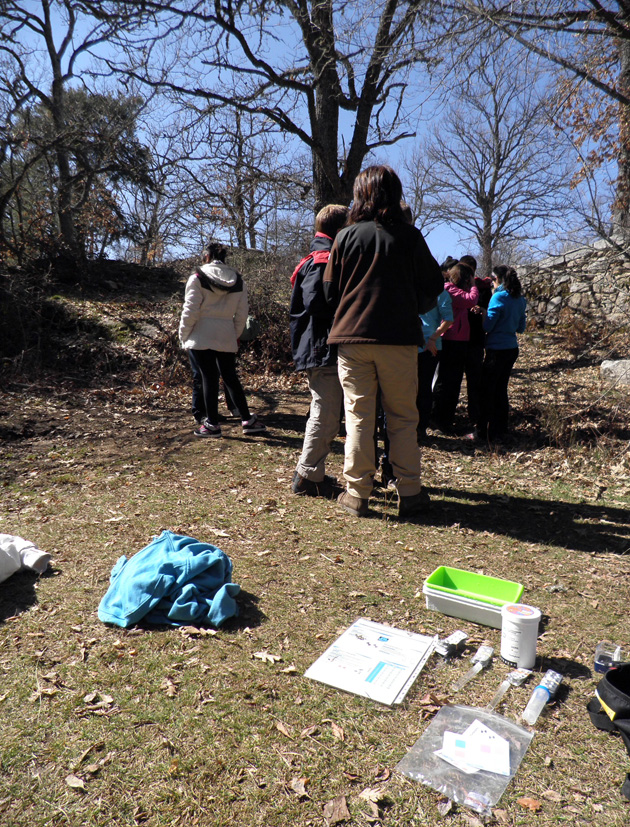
(362,370)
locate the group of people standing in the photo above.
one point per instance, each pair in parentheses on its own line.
(372,316)
(478,322)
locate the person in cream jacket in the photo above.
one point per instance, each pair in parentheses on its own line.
(213,317)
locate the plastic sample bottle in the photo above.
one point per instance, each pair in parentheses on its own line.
(541,695)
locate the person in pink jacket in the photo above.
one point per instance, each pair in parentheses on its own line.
(464,295)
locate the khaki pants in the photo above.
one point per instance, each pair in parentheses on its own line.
(324,421)
(362,370)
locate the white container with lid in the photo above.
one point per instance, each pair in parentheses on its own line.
(519,634)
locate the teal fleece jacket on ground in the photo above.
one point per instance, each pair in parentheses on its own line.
(175,580)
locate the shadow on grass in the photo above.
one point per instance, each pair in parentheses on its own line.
(18,593)
(577,526)
(566,667)
(249,615)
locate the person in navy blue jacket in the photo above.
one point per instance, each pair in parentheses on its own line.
(504,318)
(310,319)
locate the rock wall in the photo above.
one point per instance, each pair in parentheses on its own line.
(592,283)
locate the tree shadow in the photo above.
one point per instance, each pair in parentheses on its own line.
(576,526)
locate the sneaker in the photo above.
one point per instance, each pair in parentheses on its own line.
(414,505)
(442,427)
(208,429)
(354,505)
(254,426)
(328,487)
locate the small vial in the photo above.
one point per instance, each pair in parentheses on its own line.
(481,659)
(541,695)
(607,655)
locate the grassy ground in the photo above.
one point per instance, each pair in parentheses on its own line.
(102,726)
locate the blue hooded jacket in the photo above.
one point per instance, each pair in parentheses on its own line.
(505,318)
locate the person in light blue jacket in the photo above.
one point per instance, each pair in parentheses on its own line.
(434,323)
(504,318)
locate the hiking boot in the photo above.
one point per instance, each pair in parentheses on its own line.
(254,426)
(354,505)
(414,505)
(328,487)
(208,429)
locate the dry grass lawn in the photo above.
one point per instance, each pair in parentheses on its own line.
(102,726)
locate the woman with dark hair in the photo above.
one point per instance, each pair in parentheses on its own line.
(464,295)
(504,318)
(213,317)
(380,277)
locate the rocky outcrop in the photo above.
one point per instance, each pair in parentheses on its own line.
(591,282)
(616,371)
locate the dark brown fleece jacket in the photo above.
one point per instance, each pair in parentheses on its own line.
(380,278)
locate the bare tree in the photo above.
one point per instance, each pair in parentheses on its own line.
(237,171)
(331,74)
(492,165)
(589,41)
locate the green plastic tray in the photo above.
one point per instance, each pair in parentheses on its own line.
(460,583)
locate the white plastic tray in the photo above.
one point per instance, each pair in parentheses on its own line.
(463,607)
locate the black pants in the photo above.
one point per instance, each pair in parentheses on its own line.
(198,406)
(472,368)
(427,364)
(214,363)
(495,406)
(448,382)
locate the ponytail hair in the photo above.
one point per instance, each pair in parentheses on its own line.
(508,278)
(214,251)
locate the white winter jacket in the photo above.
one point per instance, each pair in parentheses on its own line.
(16,553)
(215,309)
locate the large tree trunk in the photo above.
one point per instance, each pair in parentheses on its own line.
(486,243)
(62,156)
(329,186)
(621,219)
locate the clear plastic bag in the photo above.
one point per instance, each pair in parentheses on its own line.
(480,790)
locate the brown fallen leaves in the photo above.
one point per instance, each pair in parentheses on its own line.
(283,728)
(530,804)
(298,785)
(78,782)
(336,811)
(377,799)
(170,687)
(430,703)
(267,657)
